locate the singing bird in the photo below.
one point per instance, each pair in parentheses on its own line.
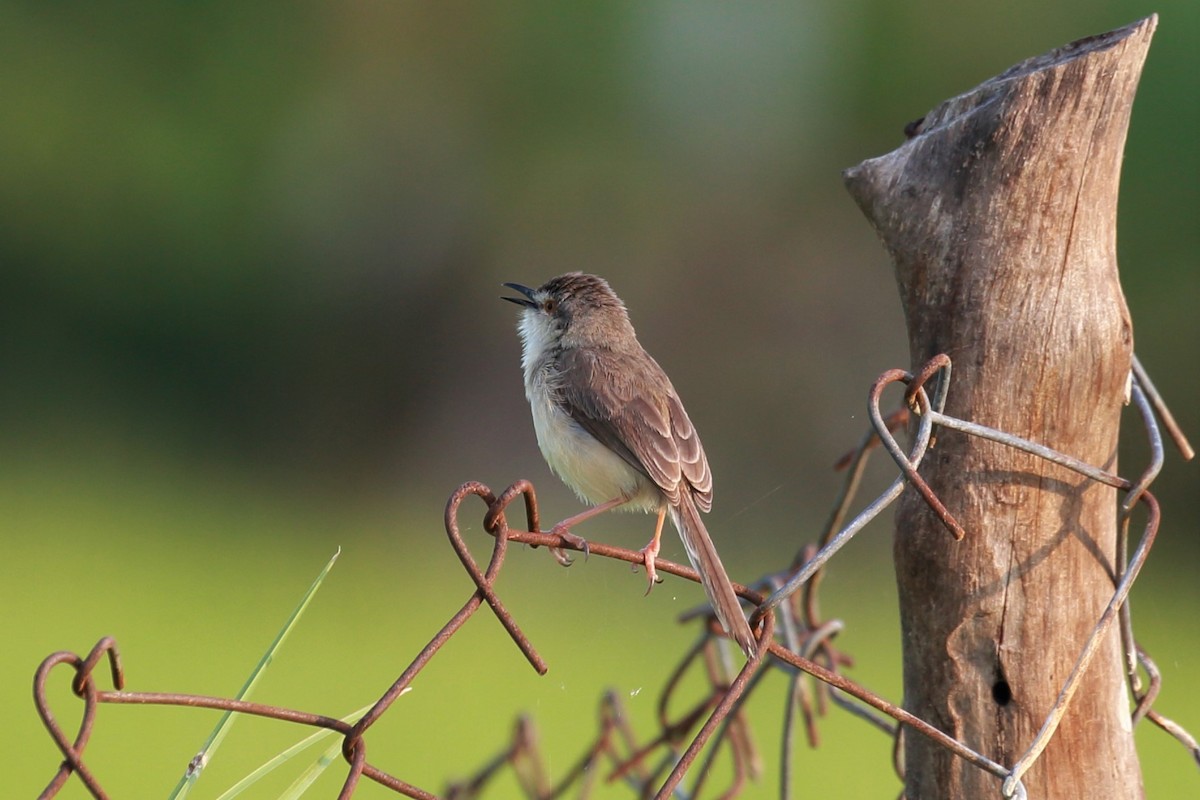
(611,426)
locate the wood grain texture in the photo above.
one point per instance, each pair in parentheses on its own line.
(1000,216)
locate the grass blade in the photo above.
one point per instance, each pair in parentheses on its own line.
(282,758)
(226,722)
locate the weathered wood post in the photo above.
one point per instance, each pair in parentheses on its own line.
(1000,216)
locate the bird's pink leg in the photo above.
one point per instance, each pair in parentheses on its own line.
(650,551)
(562,529)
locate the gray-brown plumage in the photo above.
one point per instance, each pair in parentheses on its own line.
(611,425)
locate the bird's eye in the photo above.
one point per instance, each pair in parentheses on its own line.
(549,304)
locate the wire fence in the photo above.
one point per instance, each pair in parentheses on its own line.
(791,633)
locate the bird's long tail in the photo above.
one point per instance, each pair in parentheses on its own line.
(703,555)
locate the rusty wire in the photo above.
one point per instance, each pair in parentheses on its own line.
(787,604)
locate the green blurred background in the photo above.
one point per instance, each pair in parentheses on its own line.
(251,256)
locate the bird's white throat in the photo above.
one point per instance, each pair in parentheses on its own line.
(537,341)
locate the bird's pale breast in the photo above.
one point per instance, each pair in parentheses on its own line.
(594,472)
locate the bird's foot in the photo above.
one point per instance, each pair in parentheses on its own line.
(649,553)
(577,542)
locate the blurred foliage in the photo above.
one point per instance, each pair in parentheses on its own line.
(250,258)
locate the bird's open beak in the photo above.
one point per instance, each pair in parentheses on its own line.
(526,301)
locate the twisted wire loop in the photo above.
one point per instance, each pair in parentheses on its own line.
(84,687)
(791,633)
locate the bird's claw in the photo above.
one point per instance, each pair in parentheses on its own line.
(652,576)
(577,542)
(654,581)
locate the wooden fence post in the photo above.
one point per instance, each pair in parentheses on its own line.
(1000,216)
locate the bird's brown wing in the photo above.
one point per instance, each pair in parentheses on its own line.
(643,421)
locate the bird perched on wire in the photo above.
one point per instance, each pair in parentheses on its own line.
(611,425)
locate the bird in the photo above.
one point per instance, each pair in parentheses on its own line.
(610,424)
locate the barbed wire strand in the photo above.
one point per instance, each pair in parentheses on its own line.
(733,730)
(798,701)
(1144,708)
(1089,650)
(1134,653)
(875,508)
(1164,413)
(1157,457)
